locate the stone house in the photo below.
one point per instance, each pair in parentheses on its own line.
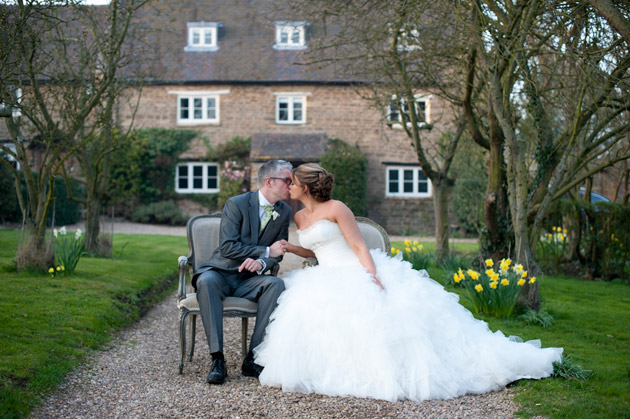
(230,69)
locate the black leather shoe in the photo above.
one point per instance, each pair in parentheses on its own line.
(218,372)
(250,368)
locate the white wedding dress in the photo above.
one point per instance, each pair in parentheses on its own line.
(335,332)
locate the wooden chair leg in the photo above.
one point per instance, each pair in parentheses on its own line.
(193,327)
(244,336)
(182,339)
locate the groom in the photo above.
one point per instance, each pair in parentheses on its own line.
(252,227)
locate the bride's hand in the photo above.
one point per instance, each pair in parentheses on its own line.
(378,282)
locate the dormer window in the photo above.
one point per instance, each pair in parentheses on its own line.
(202,36)
(290,35)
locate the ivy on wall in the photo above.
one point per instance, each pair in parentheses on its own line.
(349,166)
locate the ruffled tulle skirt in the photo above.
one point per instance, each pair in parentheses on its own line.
(335,332)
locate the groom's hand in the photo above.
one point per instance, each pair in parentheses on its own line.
(279,248)
(250,265)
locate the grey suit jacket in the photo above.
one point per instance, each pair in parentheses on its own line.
(239,234)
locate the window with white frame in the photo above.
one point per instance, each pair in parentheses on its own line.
(398,110)
(197,177)
(290,109)
(408,38)
(290,35)
(14,105)
(197,109)
(407,181)
(202,36)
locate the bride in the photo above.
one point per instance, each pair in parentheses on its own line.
(363,324)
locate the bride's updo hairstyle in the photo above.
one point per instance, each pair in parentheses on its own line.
(320,182)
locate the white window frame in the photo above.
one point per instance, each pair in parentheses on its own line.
(200,29)
(204,176)
(292,29)
(396,122)
(415,193)
(15,111)
(192,97)
(291,99)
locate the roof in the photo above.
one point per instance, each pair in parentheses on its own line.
(297,148)
(246,35)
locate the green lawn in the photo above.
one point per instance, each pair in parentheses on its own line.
(48,325)
(592,324)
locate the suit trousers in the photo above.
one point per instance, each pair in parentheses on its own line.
(215,284)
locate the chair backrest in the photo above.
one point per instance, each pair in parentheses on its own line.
(374,235)
(203,237)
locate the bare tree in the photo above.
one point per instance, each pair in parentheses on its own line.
(384,46)
(57,69)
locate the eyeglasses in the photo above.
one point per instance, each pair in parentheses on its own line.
(286,180)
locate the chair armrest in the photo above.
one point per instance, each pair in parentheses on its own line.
(182,261)
(275,269)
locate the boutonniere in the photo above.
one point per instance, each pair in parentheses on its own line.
(275,215)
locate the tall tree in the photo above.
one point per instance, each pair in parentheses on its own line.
(57,68)
(385,46)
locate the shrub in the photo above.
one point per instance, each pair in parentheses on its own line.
(9,208)
(494,293)
(163,212)
(64,209)
(348,165)
(470,185)
(144,171)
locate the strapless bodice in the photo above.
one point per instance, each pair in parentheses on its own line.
(325,239)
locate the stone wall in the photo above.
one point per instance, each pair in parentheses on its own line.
(336,110)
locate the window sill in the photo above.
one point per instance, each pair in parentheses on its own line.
(189,48)
(289,47)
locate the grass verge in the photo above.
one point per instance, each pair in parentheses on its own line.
(49,325)
(591,322)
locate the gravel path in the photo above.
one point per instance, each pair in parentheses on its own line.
(136,377)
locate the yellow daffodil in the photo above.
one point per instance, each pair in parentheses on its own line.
(397,251)
(393,250)
(504,266)
(550,236)
(51,270)
(508,261)
(460,272)
(407,249)
(470,272)
(518,268)
(489,262)
(505,282)
(456,278)
(62,268)
(415,249)
(407,243)
(494,277)
(420,247)
(521,282)
(490,272)
(566,231)
(493,285)
(532,279)
(58,268)
(560,236)
(415,242)
(478,287)
(524,274)
(474,275)
(553,228)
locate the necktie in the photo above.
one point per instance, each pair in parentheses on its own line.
(266,216)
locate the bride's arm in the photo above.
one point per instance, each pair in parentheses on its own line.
(298,250)
(348,225)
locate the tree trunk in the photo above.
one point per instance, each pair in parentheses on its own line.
(496,240)
(92,224)
(440,204)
